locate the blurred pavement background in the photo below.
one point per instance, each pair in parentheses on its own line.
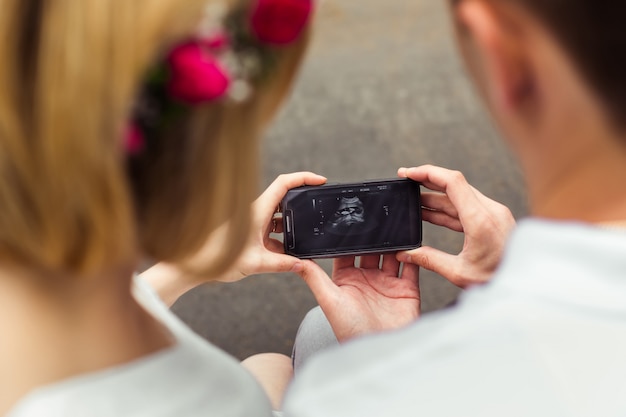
(381,88)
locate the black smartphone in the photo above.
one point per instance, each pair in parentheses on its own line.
(352,219)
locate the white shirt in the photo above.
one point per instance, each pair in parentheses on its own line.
(190,379)
(546,338)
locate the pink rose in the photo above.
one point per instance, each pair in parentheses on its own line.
(134,142)
(217,42)
(196,76)
(280,22)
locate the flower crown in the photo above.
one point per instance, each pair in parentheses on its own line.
(229,54)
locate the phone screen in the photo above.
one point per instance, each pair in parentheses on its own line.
(360,218)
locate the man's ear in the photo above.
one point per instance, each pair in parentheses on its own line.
(494,46)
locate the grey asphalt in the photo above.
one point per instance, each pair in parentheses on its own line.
(381,88)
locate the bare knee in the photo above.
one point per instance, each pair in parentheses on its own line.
(274,372)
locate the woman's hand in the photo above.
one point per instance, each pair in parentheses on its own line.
(373,297)
(457,205)
(264,253)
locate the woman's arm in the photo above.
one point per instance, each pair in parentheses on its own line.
(262,254)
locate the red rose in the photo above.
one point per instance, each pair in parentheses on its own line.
(196,76)
(280,22)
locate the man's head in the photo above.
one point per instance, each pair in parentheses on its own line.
(552,74)
(592,35)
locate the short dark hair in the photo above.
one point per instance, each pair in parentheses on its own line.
(593,33)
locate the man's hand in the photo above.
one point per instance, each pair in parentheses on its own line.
(457,205)
(365,299)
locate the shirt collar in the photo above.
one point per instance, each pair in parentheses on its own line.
(572,262)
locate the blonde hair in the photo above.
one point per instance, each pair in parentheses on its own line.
(69,74)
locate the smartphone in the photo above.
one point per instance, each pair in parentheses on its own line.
(352,219)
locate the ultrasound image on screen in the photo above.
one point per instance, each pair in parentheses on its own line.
(351,219)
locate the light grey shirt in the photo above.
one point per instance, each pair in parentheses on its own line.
(190,379)
(546,338)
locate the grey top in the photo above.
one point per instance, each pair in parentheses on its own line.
(546,338)
(190,379)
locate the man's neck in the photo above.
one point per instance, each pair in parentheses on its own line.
(53,332)
(587,185)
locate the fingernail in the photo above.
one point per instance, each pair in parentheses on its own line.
(404,257)
(402,172)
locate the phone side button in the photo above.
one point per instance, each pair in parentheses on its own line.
(288,229)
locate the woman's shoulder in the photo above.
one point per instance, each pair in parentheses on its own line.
(180,381)
(191,378)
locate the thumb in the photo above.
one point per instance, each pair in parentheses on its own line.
(434,260)
(322,287)
(278,262)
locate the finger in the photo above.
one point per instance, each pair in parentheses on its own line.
(430,176)
(272,260)
(322,287)
(275,246)
(276,226)
(343,262)
(420,174)
(278,262)
(435,178)
(411,272)
(442,219)
(452,183)
(272,196)
(439,202)
(391,265)
(434,260)
(370,262)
